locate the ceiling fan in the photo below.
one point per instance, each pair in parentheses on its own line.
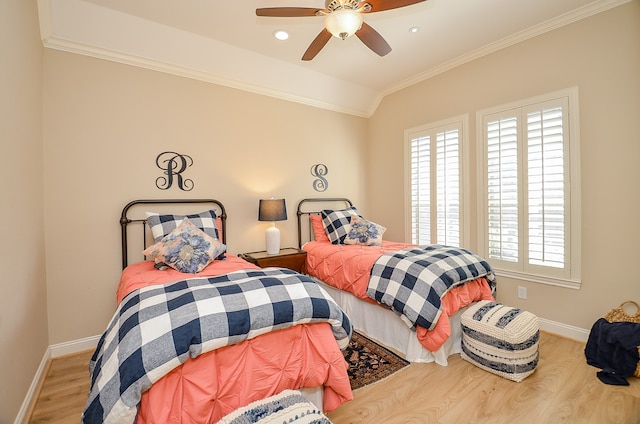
(343,18)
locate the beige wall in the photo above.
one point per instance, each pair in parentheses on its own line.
(104,125)
(23,306)
(601,56)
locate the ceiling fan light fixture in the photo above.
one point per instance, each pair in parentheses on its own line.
(343,23)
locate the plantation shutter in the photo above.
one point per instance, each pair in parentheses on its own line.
(435,163)
(546,187)
(448,187)
(421,190)
(531,206)
(502,179)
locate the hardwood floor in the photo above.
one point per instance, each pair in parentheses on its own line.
(563,389)
(64,390)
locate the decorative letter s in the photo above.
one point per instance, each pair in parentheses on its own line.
(320,183)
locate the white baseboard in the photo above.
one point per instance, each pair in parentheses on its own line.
(33,389)
(52,351)
(569,331)
(75,346)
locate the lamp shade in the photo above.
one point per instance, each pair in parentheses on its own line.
(272,210)
(343,23)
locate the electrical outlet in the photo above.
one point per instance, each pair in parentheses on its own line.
(522,292)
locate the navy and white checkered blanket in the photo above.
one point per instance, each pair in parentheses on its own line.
(412,281)
(157,328)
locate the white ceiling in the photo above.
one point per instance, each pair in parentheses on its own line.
(226,43)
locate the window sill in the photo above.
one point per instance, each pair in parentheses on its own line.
(558,282)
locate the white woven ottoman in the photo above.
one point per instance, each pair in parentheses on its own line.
(500,339)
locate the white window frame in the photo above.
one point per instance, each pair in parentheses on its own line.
(462,124)
(570,275)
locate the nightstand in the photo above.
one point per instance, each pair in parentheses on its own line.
(289,257)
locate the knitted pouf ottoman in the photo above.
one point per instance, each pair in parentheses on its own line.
(500,339)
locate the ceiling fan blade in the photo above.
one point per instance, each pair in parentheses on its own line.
(372,39)
(286,12)
(317,44)
(380,5)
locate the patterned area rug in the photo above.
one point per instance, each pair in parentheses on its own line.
(369,362)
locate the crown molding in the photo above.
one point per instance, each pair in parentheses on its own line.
(72,26)
(69,46)
(325,92)
(550,25)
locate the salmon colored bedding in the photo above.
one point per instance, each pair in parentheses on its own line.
(143,274)
(348,268)
(207,387)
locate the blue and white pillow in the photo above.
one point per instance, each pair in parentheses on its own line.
(337,223)
(364,232)
(161,225)
(186,249)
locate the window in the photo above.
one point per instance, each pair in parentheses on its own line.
(434,183)
(531,206)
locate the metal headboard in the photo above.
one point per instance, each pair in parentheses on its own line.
(305,209)
(125,220)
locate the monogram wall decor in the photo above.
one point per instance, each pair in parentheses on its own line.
(173,165)
(320,183)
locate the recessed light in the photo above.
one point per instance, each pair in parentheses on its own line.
(414,29)
(281,35)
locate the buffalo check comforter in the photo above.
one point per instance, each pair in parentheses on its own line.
(157,328)
(413,281)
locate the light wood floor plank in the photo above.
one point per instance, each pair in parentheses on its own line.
(563,389)
(64,391)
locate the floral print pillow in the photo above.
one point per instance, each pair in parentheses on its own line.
(364,232)
(186,249)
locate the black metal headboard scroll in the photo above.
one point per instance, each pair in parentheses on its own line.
(125,220)
(305,208)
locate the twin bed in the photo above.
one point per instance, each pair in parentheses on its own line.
(195,346)
(346,270)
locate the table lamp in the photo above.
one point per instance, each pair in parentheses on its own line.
(272,210)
